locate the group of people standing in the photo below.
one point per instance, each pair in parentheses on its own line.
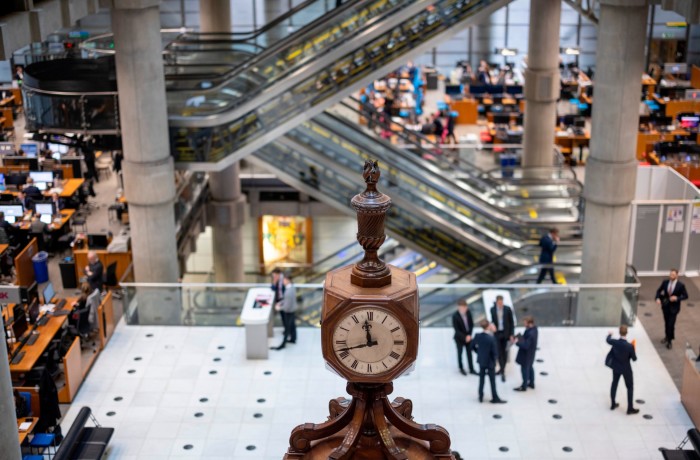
(492,344)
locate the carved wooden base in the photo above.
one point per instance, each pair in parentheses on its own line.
(369,427)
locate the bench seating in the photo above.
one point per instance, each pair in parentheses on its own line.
(84,443)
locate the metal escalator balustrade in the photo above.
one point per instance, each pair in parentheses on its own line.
(510,212)
(410,228)
(232,134)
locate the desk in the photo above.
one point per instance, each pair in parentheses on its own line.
(467,111)
(66,215)
(46,334)
(70,186)
(8,101)
(690,390)
(569,142)
(123,260)
(23,434)
(3,248)
(646,140)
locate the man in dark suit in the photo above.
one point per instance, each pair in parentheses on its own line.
(94,271)
(669,296)
(463,325)
(486,353)
(502,318)
(27,202)
(527,347)
(31,190)
(548,243)
(622,353)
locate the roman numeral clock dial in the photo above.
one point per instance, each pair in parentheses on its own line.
(369,341)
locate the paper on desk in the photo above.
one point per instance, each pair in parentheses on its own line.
(24,426)
(48,308)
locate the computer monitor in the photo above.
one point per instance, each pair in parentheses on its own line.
(7,148)
(48,294)
(579,122)
(15,179)
(30,150)
(12,210)
(501,118)
(41,176)
(42,186)
(2,179)
(46,218)
(477,89)
(514,90)
(97,240)
(11,219)
(58,148)
(44,209)
(33,311)
(19,324)
(495,89)
(675,68)
(453,90)
(690,122)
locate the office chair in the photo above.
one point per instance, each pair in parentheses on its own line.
(110,277)
(27,402)
(80,220)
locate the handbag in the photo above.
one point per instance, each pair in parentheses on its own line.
(609,359)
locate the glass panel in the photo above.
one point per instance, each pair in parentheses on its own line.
(551,305)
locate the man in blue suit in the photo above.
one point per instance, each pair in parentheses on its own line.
(669,296)
(484,343)
(548,243)
(527,346)
(622,353)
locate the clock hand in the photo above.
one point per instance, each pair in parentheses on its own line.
(370,344)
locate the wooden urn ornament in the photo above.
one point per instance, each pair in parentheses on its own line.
(369,336)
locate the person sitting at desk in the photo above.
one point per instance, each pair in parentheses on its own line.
(94,271)
(484,73)
(31,190)
(57,202)
(27,202)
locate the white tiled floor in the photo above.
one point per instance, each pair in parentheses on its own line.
(156,418)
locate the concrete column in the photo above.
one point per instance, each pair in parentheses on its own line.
(541,83)
(226,210)
(8,421)
(148,167)
(611,170)
(215,15)
(226,215)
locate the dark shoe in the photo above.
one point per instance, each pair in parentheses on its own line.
(481,398)
(614,406)
(632,411)
(498,401)
(472,371)
(500,371)
(461,371)
(277,348)
(664,340)
(669,345)
(532,385)
(522,388)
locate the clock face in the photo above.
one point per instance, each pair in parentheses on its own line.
(369,341)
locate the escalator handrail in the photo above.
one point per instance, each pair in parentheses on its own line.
(514,224)
(296,37)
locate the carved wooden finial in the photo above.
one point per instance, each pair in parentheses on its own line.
(371,207)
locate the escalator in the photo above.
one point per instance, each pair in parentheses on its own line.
(220,111)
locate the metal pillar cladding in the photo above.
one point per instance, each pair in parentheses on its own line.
(148,167)
(8,422)
(215,15)
(611,169)
(541,83)
(226,211)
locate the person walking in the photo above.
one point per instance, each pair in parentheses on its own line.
(669,296)
(502,317)
(463,325)
(287,308)
(527,347)
(621,353)
(548,243)
(486,349)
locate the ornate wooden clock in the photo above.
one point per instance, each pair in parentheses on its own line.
(369,336)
